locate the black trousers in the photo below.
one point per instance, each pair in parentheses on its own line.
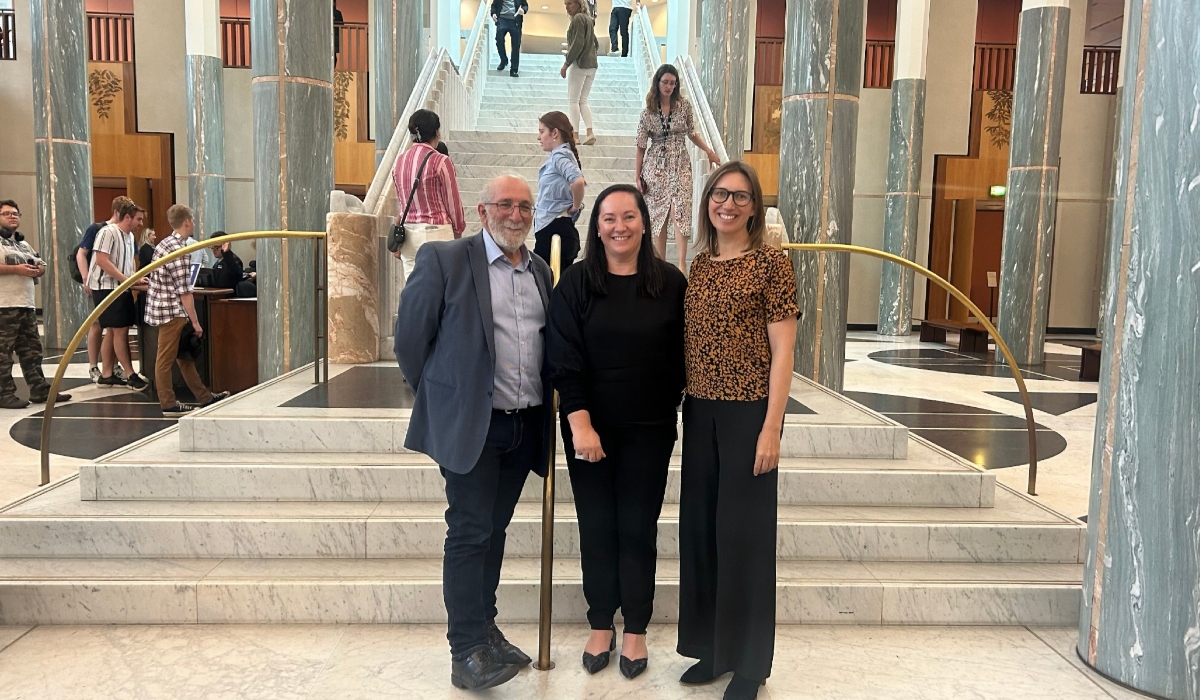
(618,501)
(727,521)
(509,27)
(481,504)
(619,20)
(564,227)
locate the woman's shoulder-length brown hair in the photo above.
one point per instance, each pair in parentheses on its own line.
(757,225)
(652,103)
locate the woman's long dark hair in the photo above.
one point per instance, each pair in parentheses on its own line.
(650,271)
(424,125)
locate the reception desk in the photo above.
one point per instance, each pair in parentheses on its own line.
(228,358)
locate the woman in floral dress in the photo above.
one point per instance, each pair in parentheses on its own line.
(663,171)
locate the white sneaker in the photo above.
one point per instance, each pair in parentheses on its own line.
(94,373)
(119,372)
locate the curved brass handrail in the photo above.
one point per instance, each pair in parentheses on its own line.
(72,346)
(545,608)
(1030,424)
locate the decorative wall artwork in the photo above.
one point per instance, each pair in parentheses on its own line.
(103,86)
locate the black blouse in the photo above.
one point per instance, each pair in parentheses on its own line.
(618,356)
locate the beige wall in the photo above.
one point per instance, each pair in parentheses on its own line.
(1086,150)
(17,179)
(161,86)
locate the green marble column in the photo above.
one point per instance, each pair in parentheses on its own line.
(63,153)
(292,88)
(206,116)
(902,200)
(1140,621)
(1033,168)
(396,40)
(725,68)
(822,76)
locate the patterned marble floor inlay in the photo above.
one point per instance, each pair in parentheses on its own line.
(1056,367)
(1053,402)
(988,439)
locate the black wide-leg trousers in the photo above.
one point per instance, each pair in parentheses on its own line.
(727,521)
(618,501)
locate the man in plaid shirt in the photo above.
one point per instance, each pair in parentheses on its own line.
(171,308)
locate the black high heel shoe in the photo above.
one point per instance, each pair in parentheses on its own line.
(632,669)
(594,663)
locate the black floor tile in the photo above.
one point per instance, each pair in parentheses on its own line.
(794,407)
(85,439)
(890,403)
(66,386)
(950,420)
(104,409)
(358,387)
(995,450)
(1052,402)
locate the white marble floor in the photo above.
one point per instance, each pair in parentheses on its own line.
(308,662)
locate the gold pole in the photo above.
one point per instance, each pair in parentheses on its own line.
(72,346)
(1030,424)
(547,588)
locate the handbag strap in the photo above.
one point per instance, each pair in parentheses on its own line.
(413,191)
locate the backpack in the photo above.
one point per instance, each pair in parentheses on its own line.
(74,268)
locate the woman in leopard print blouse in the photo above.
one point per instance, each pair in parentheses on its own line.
(739,331)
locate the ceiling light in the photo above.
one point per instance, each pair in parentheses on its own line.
(547,7)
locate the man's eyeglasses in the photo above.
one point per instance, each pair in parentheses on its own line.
(741,197)
(13,214)
(506,207)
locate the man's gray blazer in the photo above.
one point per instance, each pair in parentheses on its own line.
(445,346)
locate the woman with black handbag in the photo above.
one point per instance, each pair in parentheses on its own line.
(427,188)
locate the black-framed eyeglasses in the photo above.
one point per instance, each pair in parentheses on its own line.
(720,195)
(506,207)
(13,213)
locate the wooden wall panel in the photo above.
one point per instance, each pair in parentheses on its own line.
(353,155)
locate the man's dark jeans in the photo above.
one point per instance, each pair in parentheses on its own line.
(511,27)
(481,504)
(619,20)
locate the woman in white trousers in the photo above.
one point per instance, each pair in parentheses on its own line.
(579,68)
(427,178)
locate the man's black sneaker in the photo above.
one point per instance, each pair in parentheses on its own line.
(514,75)
(216,397)
(503,66)
(481,670)
(135,381)
(12,401)
(178,408)
(42,399)
(111,380)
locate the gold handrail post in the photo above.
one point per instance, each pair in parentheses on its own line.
(48,413)
(1030,424)
(546,605)
(316,312)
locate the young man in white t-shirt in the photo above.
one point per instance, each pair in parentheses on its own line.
(113,259)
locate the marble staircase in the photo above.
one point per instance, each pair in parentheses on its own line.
(233,525)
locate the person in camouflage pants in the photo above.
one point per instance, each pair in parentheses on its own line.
(20,267)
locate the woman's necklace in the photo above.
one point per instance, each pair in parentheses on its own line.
(664,122)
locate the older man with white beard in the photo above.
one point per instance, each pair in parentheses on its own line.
(470,339)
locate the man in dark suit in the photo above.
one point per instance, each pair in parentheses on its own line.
(470,339)
(509,16)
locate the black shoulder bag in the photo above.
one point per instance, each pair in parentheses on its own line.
(398,235)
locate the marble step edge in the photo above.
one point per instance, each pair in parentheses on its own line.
(423,482)
(385,597)
(491,135)
(390,538)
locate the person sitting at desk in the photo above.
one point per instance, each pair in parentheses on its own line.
(227,270)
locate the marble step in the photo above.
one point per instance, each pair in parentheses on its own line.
(863,484)
(216,591)
(498,153)
(466,163)
(505,136)
(57,524)
(592,172)
(529,126)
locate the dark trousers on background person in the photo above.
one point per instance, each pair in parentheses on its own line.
(565,228)
(618,501)
(509,27)
(168,354)
(619,21)
(481,504)
(727,521)
(19,336)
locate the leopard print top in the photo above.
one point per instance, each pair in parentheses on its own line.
(726,311)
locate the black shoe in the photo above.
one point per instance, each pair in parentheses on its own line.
(594,663)
(216,397)
(481,670)
(632,669)
(135,381)
(505,650)
(111,380)
(11,401)
(503,65)
(42,399)
(740,688)
(177,409)
(701,673)
(514,74)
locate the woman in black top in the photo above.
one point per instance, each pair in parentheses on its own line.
(615,348)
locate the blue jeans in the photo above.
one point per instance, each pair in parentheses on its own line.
(481,504)
(511,27)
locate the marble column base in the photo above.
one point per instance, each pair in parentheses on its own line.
(353,289)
